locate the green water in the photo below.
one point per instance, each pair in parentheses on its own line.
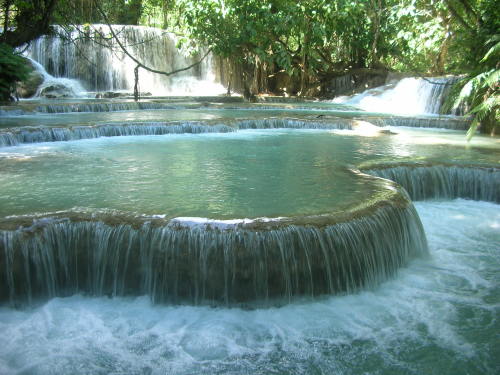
(248,174)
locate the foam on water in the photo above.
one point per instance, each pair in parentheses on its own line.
(439,316)
(409,96)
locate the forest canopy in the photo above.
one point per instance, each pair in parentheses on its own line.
(317,37)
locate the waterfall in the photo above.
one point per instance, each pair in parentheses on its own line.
(87,53)
(249,262)
(26,134)
(444,181)
(409,96)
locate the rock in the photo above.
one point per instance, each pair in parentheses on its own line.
(387,131)
(354,81)
(28,88)
(110,95)
(56,90)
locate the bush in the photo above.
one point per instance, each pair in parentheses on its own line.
(12,69)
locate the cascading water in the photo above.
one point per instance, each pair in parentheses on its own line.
(438,316)
(444,181)
(66,87)
(20,135)
(89,54)
(409,96)
(212,262)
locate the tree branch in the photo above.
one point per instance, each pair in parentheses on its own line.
(134,59)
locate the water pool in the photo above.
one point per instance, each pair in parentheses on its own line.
(243,174)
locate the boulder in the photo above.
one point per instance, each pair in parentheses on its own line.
(56,90)
(111,94)
(29,87)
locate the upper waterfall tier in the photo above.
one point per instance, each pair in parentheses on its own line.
(409,96)
(92,56)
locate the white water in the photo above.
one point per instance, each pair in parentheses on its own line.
(109,69)
(73,86)
(438,316)
(409,96)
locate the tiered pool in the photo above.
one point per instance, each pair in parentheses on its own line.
(221,232)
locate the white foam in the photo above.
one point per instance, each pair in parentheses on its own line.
(73,86)
(410,96)
(192,222)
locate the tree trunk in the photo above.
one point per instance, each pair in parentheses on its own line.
(6,11)
(377,9)
(439,67)
(305,50)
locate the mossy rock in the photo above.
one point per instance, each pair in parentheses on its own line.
(56,90)
(29,87)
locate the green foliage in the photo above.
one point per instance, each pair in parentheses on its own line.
(23,20)
(123,12)
(12,69)
(311,39)
(480,91)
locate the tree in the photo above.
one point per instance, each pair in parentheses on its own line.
(24,21)
(480,91)
(12,69)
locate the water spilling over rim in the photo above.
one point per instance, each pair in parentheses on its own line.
(409,96)
(257,262)
(426,180)
(437,316)
(12,136)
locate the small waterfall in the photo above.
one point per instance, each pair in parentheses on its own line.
(409,96)
(56,134)
(20,135)
(260,262)
(124,105)
(444,181)
(287,123)
(452,123)
(102,107)
(88,54)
